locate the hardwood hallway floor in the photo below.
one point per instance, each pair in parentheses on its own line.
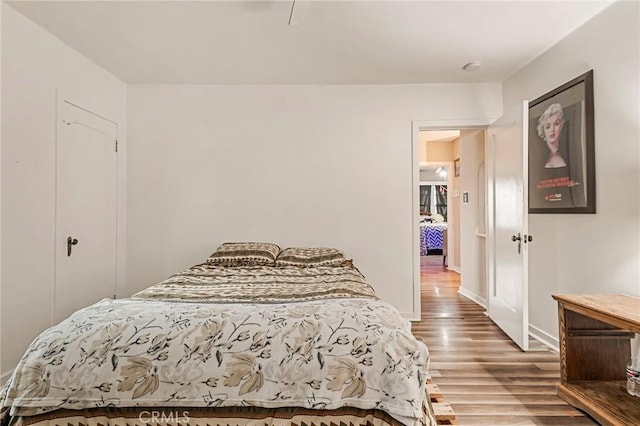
(484,376)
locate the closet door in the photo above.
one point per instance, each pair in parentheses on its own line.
(86,202)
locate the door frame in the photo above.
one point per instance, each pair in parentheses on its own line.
(63,97)
(416,127)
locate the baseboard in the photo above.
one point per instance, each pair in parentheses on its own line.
(544,338)
(454,269)
(472,296)
(411,316)
(5,377)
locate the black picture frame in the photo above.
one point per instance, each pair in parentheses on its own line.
(561,153)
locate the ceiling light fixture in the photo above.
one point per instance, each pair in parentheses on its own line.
(472,66)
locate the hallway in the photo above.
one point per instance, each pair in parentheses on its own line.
(485,377)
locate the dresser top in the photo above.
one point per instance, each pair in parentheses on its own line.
(615,308)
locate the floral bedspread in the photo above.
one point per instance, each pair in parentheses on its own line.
(303,348)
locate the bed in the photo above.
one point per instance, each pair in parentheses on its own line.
(290,338)
(431,237)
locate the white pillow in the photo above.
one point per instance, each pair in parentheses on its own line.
(437,218)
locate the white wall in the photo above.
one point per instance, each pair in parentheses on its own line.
(591,253)
(295,165)
(34,66)
(437,151)
(472,253)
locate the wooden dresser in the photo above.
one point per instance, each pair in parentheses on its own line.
(594,349)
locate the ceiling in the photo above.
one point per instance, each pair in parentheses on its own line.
(330,42)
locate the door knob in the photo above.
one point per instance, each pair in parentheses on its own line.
(70,243)
(527,238)
(517,238)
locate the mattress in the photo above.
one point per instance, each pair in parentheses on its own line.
(230,343)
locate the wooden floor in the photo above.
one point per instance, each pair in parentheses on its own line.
(485,377)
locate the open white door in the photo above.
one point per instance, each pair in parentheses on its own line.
(508,225)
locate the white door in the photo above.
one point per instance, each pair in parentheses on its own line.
(508,284)
(86,201)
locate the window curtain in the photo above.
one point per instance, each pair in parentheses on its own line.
(441,200)
(425,198)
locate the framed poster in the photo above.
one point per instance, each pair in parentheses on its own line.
(561,149)
(456,167)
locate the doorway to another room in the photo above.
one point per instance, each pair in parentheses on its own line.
(481,230)
(439,152)
(451,192)
(433,211)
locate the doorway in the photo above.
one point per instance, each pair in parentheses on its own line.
(504,275)
(464,242)
(435,209)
